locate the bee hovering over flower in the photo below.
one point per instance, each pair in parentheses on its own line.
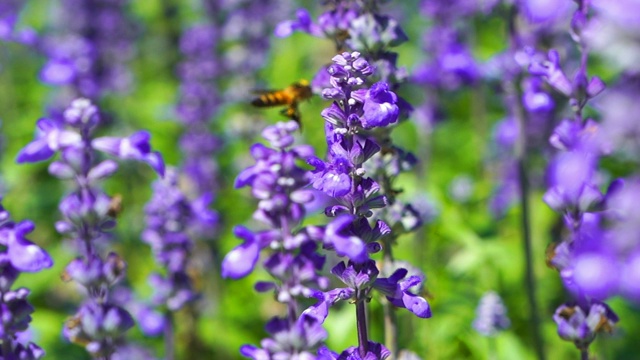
(289,96)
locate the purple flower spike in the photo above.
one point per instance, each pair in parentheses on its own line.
(491,315)
(88,214)
(380,107)
(17,255)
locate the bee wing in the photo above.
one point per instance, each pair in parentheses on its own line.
(262,91)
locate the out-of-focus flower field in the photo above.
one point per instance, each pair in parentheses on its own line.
(463,126)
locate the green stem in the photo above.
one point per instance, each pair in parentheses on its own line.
(513,96)
(361,321)
(584,354)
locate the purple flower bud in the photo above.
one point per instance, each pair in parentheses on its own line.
(61,170)
(81,113)
(85,272)
(103,170)
(595,87)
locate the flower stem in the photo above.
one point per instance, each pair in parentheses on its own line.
(513,96)
(390,319)
(361,321)
(493,352)
(584,354)
(169,348)
(6,348)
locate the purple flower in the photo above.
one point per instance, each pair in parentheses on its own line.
(375,351)
(241,261)
(50,138)
(571,180)
(21,253)
(289,340)
(491,315)
(302,23)
(331,178)
(580,325)
(380,107)
(89,214)
(551,71)
(136,147)
(94,324)
(90,48)
(372,32)
(338,236)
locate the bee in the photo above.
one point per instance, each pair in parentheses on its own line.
(289,96)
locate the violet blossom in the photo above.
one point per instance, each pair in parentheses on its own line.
(583,259)
(343,176)
(90,49)
(491,315)
(278,183)
(88,216)
(19,255)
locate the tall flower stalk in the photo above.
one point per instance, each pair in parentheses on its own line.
(172,223)
(278,182)
(362,29)
(355,110)
(18,255)
(88,217)
(574,192)
(89,48)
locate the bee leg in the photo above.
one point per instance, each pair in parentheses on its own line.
(292,113)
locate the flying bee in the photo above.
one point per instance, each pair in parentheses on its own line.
(289,96)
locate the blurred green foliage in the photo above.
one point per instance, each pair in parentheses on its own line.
(464,251)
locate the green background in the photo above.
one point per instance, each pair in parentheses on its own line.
(464,251)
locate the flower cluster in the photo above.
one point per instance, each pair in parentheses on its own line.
(89,215)
(172,220)
(19,255)
(361,154)
(9,12)
(91,48)
(355,110)
(491,315)
(197,104)
(278,182)
(243,25)
(583,258)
